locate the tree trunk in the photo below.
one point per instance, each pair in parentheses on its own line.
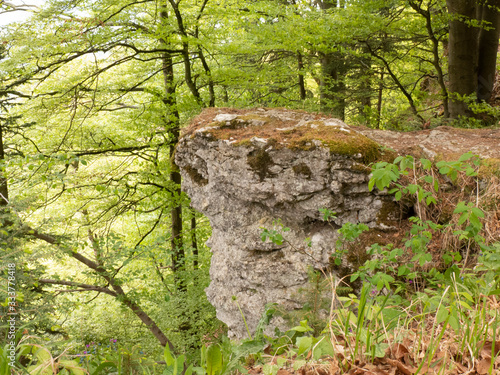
(332,87)
(380,98)
(194,241)
(436,55)
(302,85)
(472,52)
(4,191)
(173,126)
(488,48)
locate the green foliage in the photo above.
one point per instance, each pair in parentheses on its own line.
(349,234)
(88,128)
(275,235)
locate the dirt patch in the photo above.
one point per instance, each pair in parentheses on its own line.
(443,142)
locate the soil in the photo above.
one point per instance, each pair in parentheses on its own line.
(443,142)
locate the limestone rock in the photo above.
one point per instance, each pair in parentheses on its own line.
(247,169)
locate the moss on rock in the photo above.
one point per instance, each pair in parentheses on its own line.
(260,161)
(294,130)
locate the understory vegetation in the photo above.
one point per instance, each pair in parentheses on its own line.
(103,261)
(428,301)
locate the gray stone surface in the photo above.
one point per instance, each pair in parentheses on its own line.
(240,197)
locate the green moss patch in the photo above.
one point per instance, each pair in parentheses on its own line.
(282,132)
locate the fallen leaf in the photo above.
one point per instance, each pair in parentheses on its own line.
(461,367)
(397,351)
(283,372)
(483,366)
(255,370)
(405,370)
(487,349)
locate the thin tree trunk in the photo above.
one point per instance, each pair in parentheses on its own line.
(398,83)
(4,191)
(302,86)
(194,241)
(379,98)
(436,56)
(173,125)
(117,291)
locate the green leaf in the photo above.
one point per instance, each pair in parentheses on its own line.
(304,327)
(304,344)
(429,179)
(167,355)
(371,184)
(477,211)
(103,366)
(426,164)
(445,170)
(442,315)
(454,322)
(465,304)
(412,188)
(214,359)
(430,199)
(465,156)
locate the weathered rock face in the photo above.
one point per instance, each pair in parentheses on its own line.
(246,169)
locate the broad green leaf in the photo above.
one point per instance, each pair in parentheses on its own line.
(442,315)
(214,359)
(304,344)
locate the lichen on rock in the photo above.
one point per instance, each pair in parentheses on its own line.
(246,169)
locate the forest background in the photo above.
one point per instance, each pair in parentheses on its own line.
(93,97)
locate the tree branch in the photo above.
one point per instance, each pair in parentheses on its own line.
(84,287)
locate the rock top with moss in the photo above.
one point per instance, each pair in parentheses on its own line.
(252,169)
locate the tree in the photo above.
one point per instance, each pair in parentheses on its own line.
(472,53)
(103,92)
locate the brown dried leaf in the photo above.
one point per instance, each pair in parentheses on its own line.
(461,368)
(483,366)
(397,351)
(375,370)
(356,371)
(407,360)
(488,348)
(283,372)
(255,370)
(404,369)
(334,367)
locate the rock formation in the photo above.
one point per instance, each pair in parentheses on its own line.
(252,169)
(247,170)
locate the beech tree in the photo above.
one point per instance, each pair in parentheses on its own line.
(472,53)
(104,85)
